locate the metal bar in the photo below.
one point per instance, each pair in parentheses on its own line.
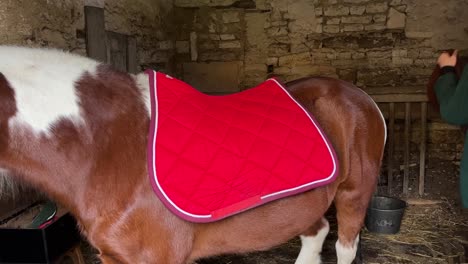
(422,148)
(390,154)
(407,146)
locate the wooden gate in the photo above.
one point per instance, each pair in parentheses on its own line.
(407,100)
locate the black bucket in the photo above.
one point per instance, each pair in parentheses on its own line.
(384,215)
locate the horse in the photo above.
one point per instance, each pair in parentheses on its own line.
(77,130)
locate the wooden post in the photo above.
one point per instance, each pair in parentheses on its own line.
(422,148)
(407,147)
(95,33)
(390,158)
(132,57)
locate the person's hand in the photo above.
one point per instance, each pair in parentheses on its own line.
(446,60)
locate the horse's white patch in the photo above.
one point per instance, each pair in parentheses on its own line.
(44,83)
(346,254)
(142,82)
(312,246)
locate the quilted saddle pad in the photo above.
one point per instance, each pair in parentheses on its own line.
(210,157)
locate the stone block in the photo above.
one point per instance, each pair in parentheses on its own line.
(356,19)
(395,2)
(331,29)
(347,75)
(399,53)
(333,21)
(279,23)
(427,53)
(214,77)
(277,31)
(425,62)
(182,46)
(380,18)
(319,11)
(300,58)
(398,61)
(359,55)
(210,56)
(377,77)
(401,8)
(344,55)
(282,70)
(227,37)
(356,1)
(357,10)
(379,54)
(418,34)
(230,44)
(376,8)
(207,45)
(336,11)
(272,61)
(396,19)
(278,49)
(214,37)
(231,17)
(375,27)
(319,29)
(190,3)
(353,27)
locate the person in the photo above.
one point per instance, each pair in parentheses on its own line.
(452,96)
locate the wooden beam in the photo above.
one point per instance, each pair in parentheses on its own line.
(422,149)
(132,56)
(399,98)
(407,147)
(390,154)
(95,33)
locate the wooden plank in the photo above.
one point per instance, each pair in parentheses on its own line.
(117,50)
(95,33)
(132,57)
(422,149)
(399,98)
(406,146)
(390,154)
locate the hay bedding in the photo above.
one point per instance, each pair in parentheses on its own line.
(430,233)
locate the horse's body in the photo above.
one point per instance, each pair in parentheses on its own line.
(77,130)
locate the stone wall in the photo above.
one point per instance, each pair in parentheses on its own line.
(372,43)
(383,46)
(60,24)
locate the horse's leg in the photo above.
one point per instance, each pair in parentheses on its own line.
(312,242)
(351,202)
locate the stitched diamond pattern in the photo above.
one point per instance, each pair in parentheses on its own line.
(215,153)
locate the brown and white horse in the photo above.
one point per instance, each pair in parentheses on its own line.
(77,130)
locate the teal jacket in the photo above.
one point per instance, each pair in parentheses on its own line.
(453,96)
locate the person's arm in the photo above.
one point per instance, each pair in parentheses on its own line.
(452,95)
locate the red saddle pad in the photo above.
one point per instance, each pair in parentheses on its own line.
(210,157)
